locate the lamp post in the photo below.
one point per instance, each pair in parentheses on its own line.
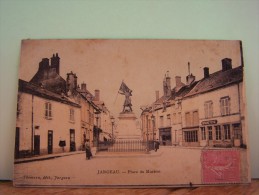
(97,127)
(147,135)
(153,123)
(153,128)
(112,120)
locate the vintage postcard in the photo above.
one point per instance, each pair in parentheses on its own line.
(131,113)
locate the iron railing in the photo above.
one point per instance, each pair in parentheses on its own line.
(125,146)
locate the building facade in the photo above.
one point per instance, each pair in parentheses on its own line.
(204,113)
(46,122)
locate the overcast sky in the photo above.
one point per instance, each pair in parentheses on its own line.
(142,64)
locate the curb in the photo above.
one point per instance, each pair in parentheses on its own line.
(19,161)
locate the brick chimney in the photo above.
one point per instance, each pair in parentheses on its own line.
(55,62)
(190,78)
(44,64)
(157,95)
(167,85)
(178,82)
(206,72)
(97,95)
(83,86)
(226,64)
(71,81)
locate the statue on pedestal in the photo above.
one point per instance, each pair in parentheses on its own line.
(124,90)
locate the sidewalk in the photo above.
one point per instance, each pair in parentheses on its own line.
(46,157)
(151,153)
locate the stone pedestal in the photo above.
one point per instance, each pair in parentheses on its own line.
(127,128)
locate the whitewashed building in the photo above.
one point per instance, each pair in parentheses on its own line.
(213,110)
(209,112)
(46,122)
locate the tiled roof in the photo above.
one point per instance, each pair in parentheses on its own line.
(217,80)
(33,89)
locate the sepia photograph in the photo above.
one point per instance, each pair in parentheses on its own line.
(131,113)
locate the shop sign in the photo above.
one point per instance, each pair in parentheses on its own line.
(210,122)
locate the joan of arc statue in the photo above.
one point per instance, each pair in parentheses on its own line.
(124,90)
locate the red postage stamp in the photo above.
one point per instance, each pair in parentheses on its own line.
(221,166)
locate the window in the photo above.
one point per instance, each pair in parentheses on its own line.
(188,119)
(225,106)
(195,118)
(168,120)
(161,121)
(192,118)
(208,109)
(237,131)
(203,133)
(149,124)
(71,114)
(48,110)
(210,132)
(154,122)
(191,136)
(218,132)
(227,131)
(174,118)
(179,117)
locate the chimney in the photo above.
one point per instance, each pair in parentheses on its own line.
(55,62)
(44,64)
(97,95)
(178,82)
(157,95)
(226,64)
(71,81)
(189,79)
(167,85)
(206,72)
(83,86)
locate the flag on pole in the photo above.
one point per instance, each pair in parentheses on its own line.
(124,89)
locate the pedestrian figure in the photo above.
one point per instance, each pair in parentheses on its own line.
(157,145)
(88,152)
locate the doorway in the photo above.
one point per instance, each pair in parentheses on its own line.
(50,142)
(36,145)
(72,140)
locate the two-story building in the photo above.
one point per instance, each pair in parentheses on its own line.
(213,110)
(47,122)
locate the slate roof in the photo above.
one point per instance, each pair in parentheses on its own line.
(51,81)
(33,89)
(217,80)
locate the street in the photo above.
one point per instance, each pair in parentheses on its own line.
(169,166)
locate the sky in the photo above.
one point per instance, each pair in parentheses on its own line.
(103,64)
